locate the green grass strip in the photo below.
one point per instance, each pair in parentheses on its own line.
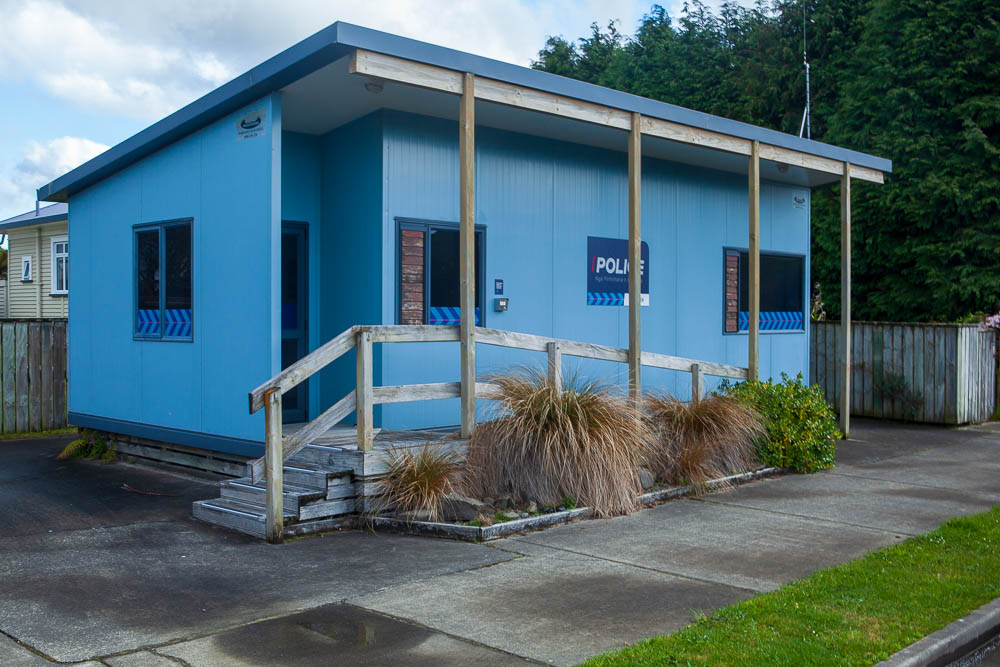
(857,613)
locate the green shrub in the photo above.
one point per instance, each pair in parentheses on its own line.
(801,431)
(91,445)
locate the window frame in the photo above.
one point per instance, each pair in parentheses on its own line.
(161,226)
(774,253)
(426,226)
(27,261)
(53,256)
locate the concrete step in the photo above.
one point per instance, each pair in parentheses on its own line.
(234,514)
(293,497)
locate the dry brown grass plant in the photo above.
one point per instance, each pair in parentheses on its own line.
(699,441)
(584,442)
(417,479)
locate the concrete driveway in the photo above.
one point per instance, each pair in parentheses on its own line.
(92,571)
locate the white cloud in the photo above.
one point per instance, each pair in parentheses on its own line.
(42,163)
(145,60)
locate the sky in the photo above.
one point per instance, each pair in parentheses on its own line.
(79,76)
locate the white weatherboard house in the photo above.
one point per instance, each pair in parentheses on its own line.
(360,230)
(37,263)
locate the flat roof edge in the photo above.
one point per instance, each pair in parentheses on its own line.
(339,38)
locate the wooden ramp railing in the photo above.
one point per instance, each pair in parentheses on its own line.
(365,396)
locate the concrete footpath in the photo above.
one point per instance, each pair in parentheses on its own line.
(90,571)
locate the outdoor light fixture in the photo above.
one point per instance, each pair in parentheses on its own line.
(782,167)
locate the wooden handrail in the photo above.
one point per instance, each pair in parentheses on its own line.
(365,396)
(305,367)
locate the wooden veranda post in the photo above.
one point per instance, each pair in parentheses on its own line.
(467,250)
(364,397)
(753,330)
(635,258)
(845,300)
(697,382)
(274,462)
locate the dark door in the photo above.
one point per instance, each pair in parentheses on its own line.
(294,314)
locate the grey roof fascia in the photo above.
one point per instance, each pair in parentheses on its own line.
(338,39)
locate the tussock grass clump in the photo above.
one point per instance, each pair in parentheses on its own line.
(699,441)
(417,479)
(543,445)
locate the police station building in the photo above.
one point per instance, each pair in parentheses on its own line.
(322,190)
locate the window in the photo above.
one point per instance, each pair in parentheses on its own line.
(26,268)
(781,292)
(163,281)
(60,265)
(428,273)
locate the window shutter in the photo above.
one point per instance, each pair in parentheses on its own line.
(732,274)
(411,276)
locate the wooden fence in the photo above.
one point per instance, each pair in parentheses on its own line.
(33,375)
(939,373)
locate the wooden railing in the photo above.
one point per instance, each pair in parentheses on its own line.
(365,396)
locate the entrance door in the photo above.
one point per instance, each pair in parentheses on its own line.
(294,314)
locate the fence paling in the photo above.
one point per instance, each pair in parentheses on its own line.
(32,375)
(918,372)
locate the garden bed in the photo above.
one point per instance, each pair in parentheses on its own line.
(473,533)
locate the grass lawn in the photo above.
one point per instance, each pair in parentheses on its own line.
(857,613)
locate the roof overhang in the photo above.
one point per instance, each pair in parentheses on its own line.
(53,213)
(510,88)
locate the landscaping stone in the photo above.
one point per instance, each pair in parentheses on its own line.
(532,507)
(646,479)
(509,516)
(505,503)
(455,507)
(415,515)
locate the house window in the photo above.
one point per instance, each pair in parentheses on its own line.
(26,268)
(428,273)
(782,300)
(60,265)
(163,255)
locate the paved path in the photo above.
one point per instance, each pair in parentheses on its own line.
(91,572)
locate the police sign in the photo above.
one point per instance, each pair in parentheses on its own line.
(607,272)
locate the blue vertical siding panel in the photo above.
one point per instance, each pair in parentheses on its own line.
(225,185)
(103,362)
(170,190)
(421,180)
(301,187)
(350,270)
(236,237)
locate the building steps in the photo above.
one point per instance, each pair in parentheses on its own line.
(316,496)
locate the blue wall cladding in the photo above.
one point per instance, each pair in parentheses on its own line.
(148,322)
(449,315)
(774,321)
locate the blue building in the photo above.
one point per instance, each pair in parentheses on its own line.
(321,190)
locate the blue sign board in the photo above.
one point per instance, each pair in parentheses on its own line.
(607,272)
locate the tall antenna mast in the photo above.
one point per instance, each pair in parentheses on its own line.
(806,120)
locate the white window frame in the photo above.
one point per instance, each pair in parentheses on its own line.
(26,269)
(55,257)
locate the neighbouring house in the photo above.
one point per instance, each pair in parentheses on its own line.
(322,190)
(37,283)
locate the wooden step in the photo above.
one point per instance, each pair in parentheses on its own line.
(293,497)
(234,514)
(317,455)
(314,476)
